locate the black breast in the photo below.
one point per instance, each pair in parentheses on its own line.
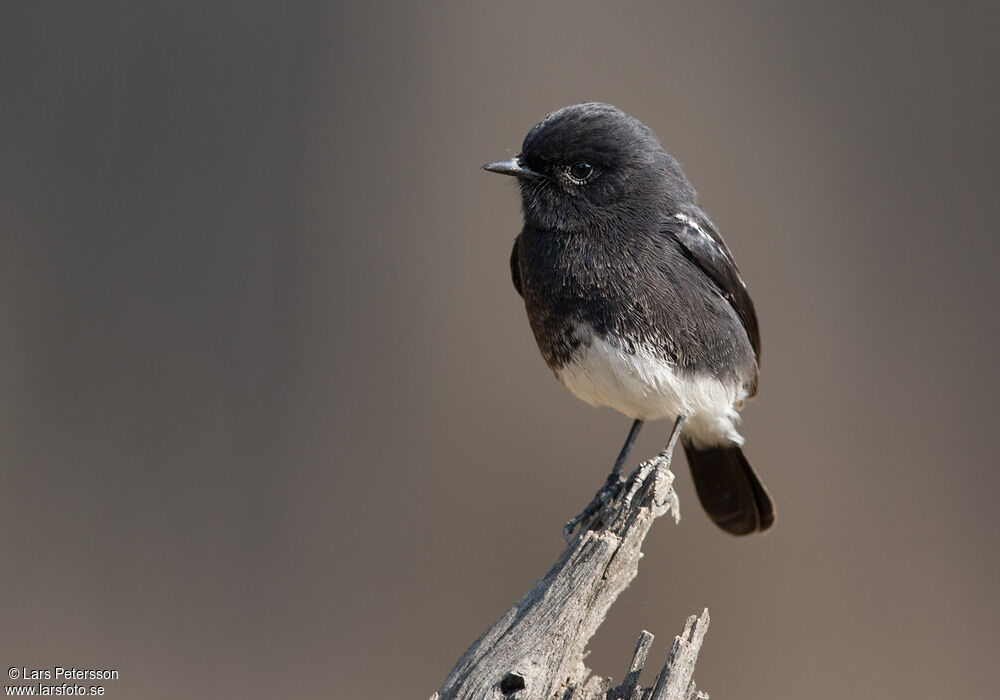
(643,294)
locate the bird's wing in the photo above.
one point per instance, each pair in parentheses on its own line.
(515,268)
(706,249)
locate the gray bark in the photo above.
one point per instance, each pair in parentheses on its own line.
(536,650)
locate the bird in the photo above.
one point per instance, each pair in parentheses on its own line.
(635,300)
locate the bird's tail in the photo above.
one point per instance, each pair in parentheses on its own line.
(728,488)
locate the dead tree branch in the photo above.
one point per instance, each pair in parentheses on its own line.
(536,650)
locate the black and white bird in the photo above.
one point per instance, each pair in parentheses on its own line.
(634,298)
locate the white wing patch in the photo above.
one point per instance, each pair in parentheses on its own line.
(687,221)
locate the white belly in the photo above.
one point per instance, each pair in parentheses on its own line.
(644,386)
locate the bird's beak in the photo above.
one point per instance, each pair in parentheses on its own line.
(514,167)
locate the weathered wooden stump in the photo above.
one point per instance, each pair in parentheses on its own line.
(535,651)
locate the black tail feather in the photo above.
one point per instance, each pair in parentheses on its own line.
(729,490)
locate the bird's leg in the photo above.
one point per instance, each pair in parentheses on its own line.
(611,486)
(661,461)
(619,467)
(675,433)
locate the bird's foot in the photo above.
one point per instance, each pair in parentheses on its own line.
(663,496)
(607,493)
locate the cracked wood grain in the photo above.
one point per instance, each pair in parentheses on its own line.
(535,651)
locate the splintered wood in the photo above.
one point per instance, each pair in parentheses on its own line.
(536,650)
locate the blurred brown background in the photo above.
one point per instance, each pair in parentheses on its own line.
(272,422)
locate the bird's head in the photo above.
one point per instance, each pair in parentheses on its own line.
(591,167)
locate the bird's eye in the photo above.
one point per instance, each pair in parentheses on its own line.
(581,171)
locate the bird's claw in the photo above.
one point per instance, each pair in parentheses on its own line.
(607,493)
